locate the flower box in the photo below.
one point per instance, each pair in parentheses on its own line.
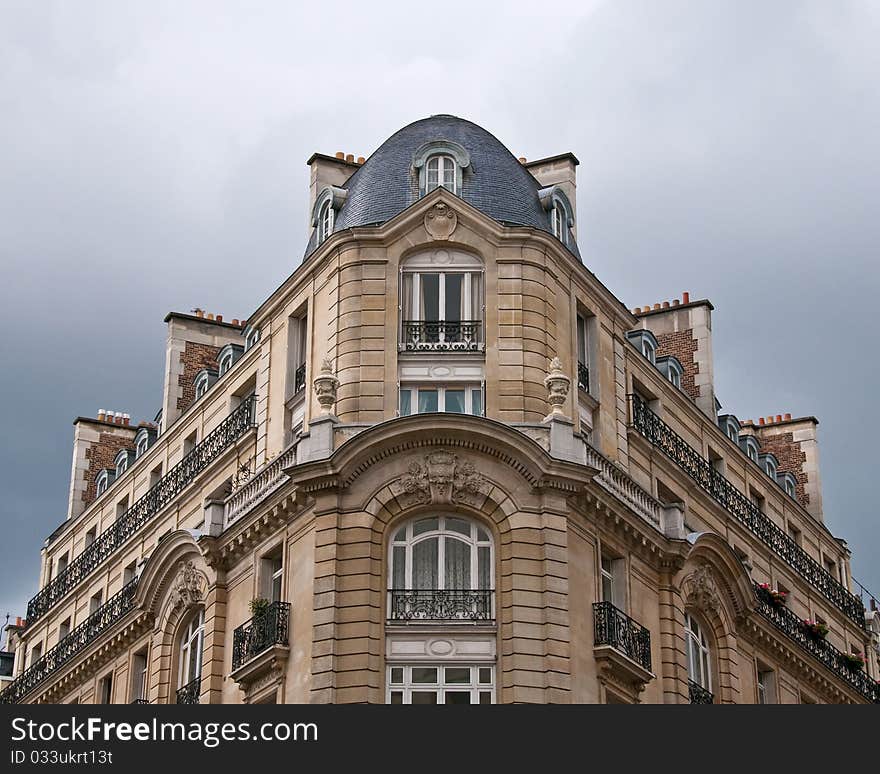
(814,629)
(774,596)
(853,661)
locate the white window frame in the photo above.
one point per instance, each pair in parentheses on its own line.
(326,220)
(405,687)
(699,654)
(467,291)
(560,221)
(225,363)
(122,465)
(142,445)
(789,486)
(766,692)
(192,637)
(441,389)
(409,540)
(252,336)
(103,483)
(648,350)
(445,167)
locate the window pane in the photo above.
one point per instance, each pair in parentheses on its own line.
(454,296)
(484,568)
(458,697)
(405,400)
(482,534)
(424,564)
(427,401)
(476,310)
(424,675)
(458,564)
(458,525)
(430,300)
(485,697)
(401,534)
(396,697)
(485,675)
(424,697)
(426,525)
(457,675)
(455,401)
(397,675)
(477,403)
(607,589)
(407,296)
(398,568)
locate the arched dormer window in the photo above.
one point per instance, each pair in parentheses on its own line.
(441,301)
(143,441)
(440,164)
(327,204)
(644,341)
(749,445)
(189,653)
(554,200)
(699,660)
(731,427)
(227,357)
(671,367)
(770,464)
(103,480)
(203,381)
(251,337)
(123,457)
(789,483)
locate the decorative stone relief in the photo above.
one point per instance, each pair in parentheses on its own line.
(189,587)
(326,386)
(440,221)
(701,590)
(443,478)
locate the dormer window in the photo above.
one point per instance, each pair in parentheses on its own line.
(770,464)
(441,174)
(731,427)
(103,481)
(749,445)
(440,164)
(671,367)
(143,440)
(142,445)
(328,202)
(121,462)
(645,342)
(789,483)
(203,381)
(554,200)
(228,356)
(251,337)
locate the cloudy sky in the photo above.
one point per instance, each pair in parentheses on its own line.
(152,158)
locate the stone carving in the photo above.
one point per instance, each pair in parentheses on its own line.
(440,221)
(442,479)
(189,585)
(557,384)
(702,590)
(326,386)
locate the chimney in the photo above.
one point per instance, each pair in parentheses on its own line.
(558,170)
(326,171)
(685,297)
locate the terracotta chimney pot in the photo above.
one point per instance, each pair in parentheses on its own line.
(349,157)
(666,305)
(685,297)
(760,420)
(361,159)
(340,155)
(219,318)
(788,417)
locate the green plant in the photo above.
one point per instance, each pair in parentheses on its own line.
(815,629)
(854,661)
(259,607)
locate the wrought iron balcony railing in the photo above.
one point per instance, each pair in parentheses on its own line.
(583,377)
(299,379)
(260,632)
(615,628)
(78,640)
(440,605)
(655,430)
(699,695)
(265,481)
(189,694)
(140,701)
(442,336)
(168,487)
(788,622)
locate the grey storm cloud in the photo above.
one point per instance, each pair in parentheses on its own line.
(152,159)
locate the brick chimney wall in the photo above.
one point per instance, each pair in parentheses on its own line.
(791,460)
(193,359)
(682,345)
(102,455)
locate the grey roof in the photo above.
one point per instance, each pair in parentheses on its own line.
(496,183)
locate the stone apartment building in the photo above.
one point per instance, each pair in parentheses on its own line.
(442,463)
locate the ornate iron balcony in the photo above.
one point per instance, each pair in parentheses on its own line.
(788,622)
(299,379)
(78,640)
(700,695)
(442,336)
(140,701)
(260,632)
(615,628)
(168,487)
(440,605)
(189,694)
(648,424)
(583,377)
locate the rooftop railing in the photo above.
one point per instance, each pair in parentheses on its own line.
(164,492)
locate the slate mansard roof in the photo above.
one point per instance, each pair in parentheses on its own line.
(496,183)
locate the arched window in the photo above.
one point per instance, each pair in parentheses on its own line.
(142,443)
(560,228)
(190,659)
(441,552)
(204,381)
(556,203)
(225,363)
(121,462)
(440,174)
(699,661)
(103,481)
(325,221)
(251,337)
